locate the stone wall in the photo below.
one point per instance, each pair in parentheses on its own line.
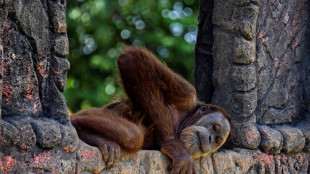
(252,58)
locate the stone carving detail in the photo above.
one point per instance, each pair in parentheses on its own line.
(35,133)
(235,70)
(261,61)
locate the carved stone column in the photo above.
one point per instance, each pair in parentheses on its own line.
(260,70)
(36,135)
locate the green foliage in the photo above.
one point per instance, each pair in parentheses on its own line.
(97,30)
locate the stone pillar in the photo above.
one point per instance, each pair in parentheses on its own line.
(261,61)
(36,135)
(234,67)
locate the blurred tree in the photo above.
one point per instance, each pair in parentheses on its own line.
(98,29)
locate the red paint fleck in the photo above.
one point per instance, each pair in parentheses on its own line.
(264,132)
(41,69)
(42,51)
(284,158)
(29,96)
(8,163)
(22,148)
(28,92)
(296,42)
(268,159)
(88,155)
(252,136)
(35,106)
(41,72)
(276,62)
(7,92)
(42,158)
(58,72)
(4,69)
(248,42)
(260,36)
(69,149)
(298,18)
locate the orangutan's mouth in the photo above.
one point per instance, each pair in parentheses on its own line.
(200,145)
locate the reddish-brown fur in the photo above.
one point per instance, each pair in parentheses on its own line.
(160,104)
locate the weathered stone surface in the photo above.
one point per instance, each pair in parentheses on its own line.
(305,75)
(89,158)
(277,97)
(70,140)
(293,139)
(243,104)
(27,137)
(223,18)
(245,135)
(59,26)
(222,69)
(33,21)
(246,19)
(265,72)
(275,116)
(58,110)
(254,161)
(224,161)
(27,58)
(271,37)
(9,134)
(3,17)
(60,67)
(282,59)
(245,2)
(54,161)
(58,9)
(305,128)
(233,162)
(30,158)
(47,133)
(272,140)
(31,80)
(20,85)
(62,45)
(295,163)
(244,51)
(37,161)
(243,77)
(153,162)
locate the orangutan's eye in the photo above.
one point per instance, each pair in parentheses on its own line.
(216,128)
(203,108)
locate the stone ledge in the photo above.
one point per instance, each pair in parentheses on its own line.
(236,160)
(87,159)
